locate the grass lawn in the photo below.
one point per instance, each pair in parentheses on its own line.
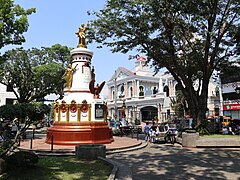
(220,136)
(61,168)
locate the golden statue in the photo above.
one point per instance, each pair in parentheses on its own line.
(81,34)
(69,75)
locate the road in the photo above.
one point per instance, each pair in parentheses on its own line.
(165,161)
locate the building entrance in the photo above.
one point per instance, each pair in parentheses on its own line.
(148,113)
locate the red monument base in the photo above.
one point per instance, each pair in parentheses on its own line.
(79,133)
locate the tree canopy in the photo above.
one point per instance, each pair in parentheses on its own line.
(188,37)
(13,22)
(34,73)
(35,111)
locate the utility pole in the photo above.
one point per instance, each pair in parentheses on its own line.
(217,79)
(220,95)
(115,96)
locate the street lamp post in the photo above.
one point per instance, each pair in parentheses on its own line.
(115,97)
(123,109)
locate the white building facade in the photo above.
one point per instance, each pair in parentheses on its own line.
(6,96)
(141,95)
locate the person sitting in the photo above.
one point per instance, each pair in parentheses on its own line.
(224,130)
(152,134)
(157,130)
(238,129)
(230,131)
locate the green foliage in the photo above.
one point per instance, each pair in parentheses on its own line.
(61,168)
(203,127)
(34,111)
(179,104)
(21,158)
(24,113)
(230,72)
(13,22)
(5,145)
(116,132)
(34,73)
(189,38)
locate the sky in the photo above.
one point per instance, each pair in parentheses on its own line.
(56,21)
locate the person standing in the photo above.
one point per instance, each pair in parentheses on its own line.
(146,131)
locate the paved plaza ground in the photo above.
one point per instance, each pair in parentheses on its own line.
(161,161)
(165,161)
(38,143)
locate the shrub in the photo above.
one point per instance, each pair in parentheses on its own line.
(202,128)
(116,132)
(2,166)
(21,158)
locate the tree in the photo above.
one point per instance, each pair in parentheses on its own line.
(24,113)
(34,73)
(13,22)
(179,104)
(230,72)
(189,38)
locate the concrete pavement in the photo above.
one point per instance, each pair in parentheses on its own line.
(160,161)
(120,145)
(38,143)
(170,162)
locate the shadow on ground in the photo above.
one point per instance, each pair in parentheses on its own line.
(164,161)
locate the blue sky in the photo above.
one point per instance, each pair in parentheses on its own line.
(56,21)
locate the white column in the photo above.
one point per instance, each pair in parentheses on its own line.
(137,88)
(160,86)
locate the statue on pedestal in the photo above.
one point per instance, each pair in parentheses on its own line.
(81,34)
(69,73)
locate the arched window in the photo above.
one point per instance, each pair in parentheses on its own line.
(141,91)
(113,95)
(122,94)
(154,89)
(166,90)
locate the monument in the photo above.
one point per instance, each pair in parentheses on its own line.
(81,116)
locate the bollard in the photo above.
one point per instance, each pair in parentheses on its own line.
(52,143)
(137,135)
(31,142)
(132,130)
(33,134)
(19,141)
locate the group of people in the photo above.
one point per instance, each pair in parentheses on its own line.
(151,132)
(231,129)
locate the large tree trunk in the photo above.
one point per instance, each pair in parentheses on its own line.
(197,104)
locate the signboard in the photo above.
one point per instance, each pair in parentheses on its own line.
(99,111)
(231,107)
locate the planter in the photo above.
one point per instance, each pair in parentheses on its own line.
(190,131)
(190,139)
(90,151)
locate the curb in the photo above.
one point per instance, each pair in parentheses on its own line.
(133,148)
(112,176)
(117,167)
(140,145)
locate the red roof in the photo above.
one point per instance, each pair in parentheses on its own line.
(127,70)
(141,58)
